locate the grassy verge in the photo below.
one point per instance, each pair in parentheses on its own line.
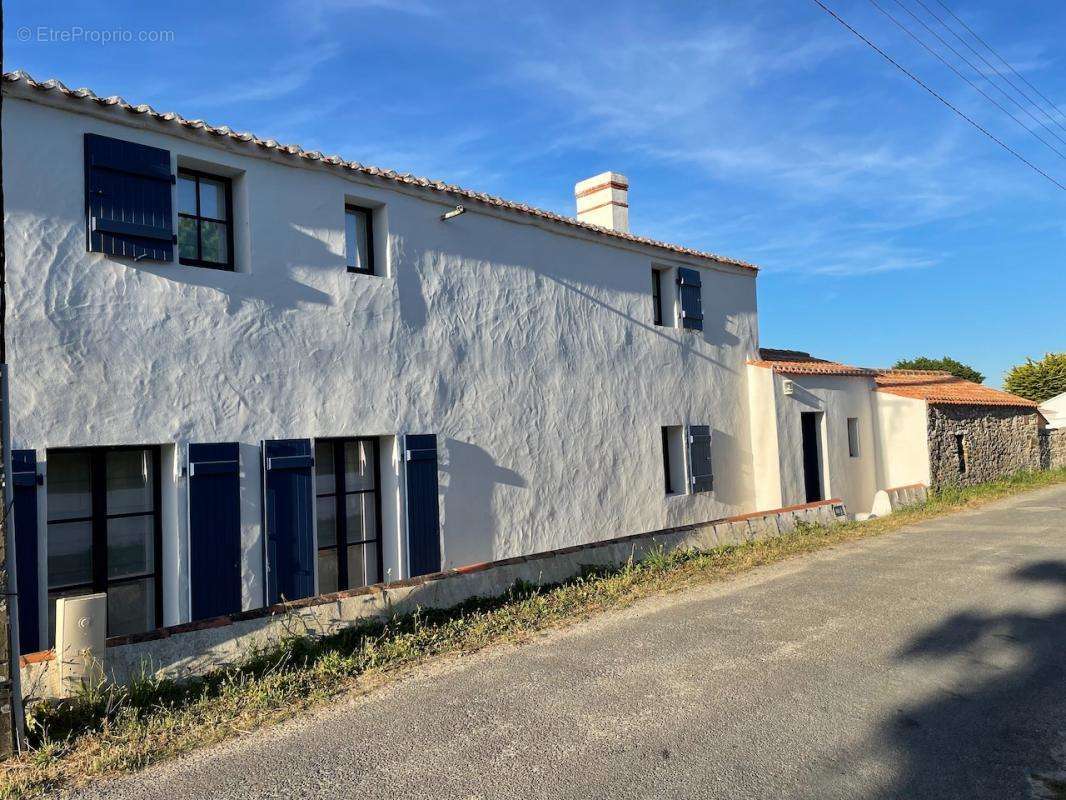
(111,730)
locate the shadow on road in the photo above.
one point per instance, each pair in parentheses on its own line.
(998,731)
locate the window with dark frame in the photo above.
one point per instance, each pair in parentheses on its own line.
(853,437)
(657,296)
(359,239)
(105,533)
(348,513)
(960,452)
(675,463)
(205,220)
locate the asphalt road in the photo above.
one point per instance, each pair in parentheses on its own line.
(929,663)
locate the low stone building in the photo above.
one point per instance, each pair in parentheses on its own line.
(973,433)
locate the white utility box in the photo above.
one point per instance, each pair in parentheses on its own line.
(81,634)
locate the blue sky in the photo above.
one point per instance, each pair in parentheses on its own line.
(885,226)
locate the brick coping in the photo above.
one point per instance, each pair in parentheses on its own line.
(382,588)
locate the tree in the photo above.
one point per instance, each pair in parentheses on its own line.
(945,364)
(1038,380)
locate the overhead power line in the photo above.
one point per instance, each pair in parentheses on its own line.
(977,88)
(999,72)
(938,96)
(995,52)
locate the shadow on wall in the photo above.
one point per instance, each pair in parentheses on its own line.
(468,496)
(413,308)
(673,334)
(717,325)
(1000,733)
(731,488)
(275,287)
(805,397)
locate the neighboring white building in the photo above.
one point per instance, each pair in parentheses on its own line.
(1054,411)
(823,441)
(848,432)
(205,367)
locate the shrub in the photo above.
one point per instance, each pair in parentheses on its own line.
(944,364)
(1038,380)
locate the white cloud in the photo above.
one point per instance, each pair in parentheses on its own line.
(285,78)
(750,108)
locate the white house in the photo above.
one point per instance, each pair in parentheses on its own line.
(243,372)
(1054,411)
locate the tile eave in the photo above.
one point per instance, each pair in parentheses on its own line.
(20,77)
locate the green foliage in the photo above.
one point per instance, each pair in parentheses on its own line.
(944,364)
(1038,380)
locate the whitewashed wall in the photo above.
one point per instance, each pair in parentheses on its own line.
(1054,411)
(766,455)
(902,425)
(779,447)
(528,348)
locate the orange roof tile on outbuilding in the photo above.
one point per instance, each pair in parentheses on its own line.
(934,387)
(943,388)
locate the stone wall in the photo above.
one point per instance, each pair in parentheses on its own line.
(1053,448)
(996,440)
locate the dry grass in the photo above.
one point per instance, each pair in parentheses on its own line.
(111,730)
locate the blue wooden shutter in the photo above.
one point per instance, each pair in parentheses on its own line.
(24,481)
(288,507)
(214,529)
(688,289)
(701,477)
(423,512)
(128,190)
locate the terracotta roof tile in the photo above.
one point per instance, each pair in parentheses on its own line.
(938,388)
(796,362)
(87,95)
(942,388)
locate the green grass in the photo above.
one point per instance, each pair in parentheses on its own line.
(110,730)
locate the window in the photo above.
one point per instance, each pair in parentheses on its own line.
(668,471)
(853,437)
(104,533)
(689,289)
(359,239)
(674,471)
(657,296)
(687,459)
(205,212)
(348,507)
(960,452)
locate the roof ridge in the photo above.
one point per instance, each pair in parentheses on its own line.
(894,371)
(812,367)
(53,84)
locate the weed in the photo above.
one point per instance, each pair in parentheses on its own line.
(109,729)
